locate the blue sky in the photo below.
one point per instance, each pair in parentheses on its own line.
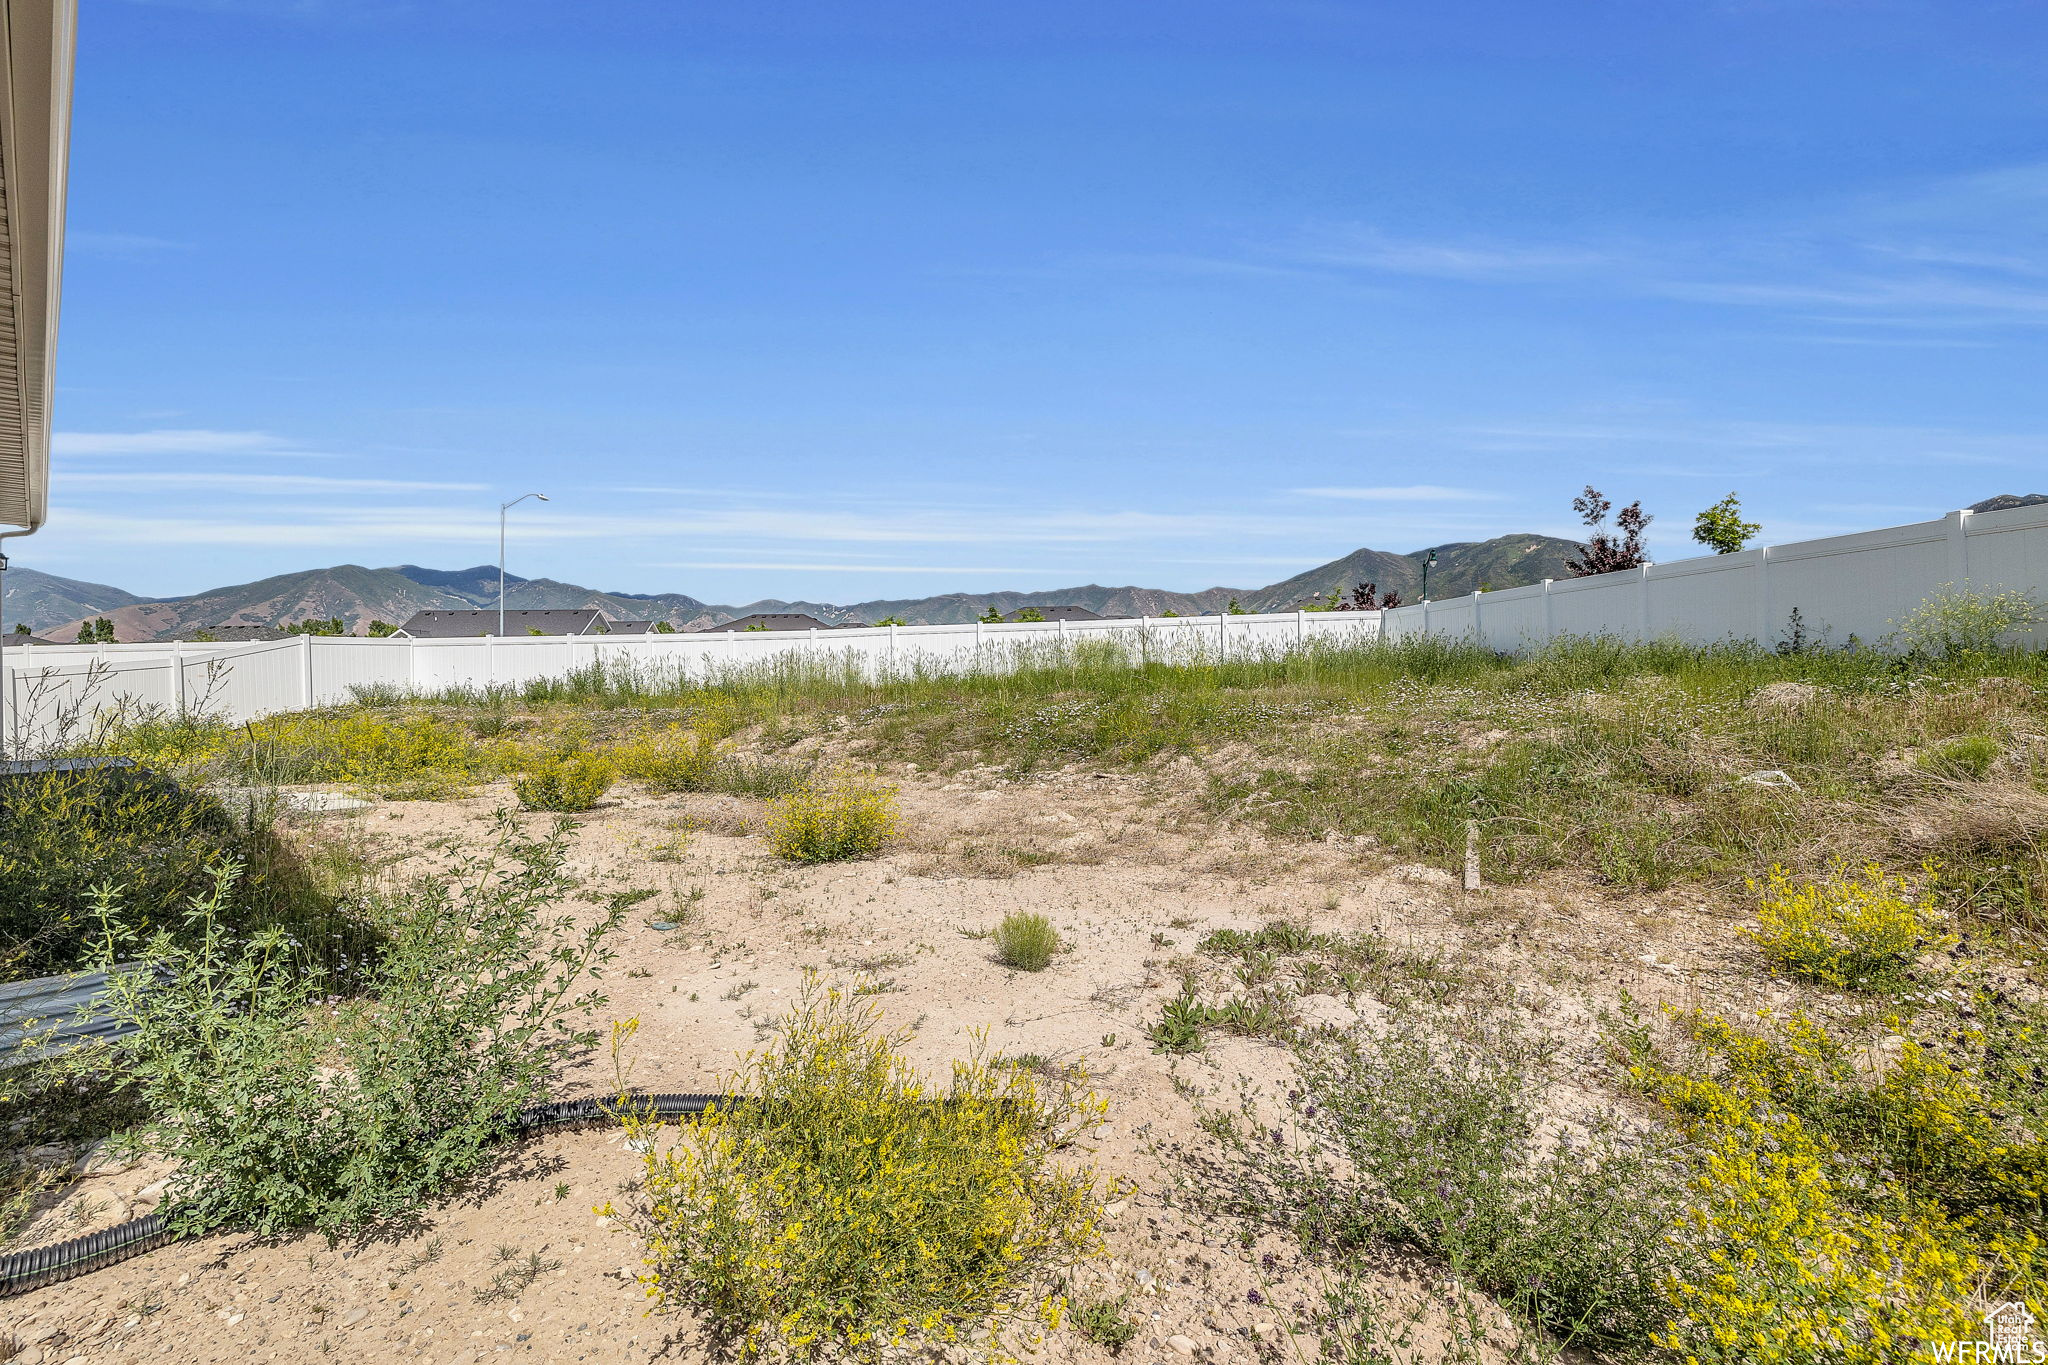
(816,300)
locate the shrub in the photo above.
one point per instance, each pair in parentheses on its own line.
(845,817)
(1419,1140)
(845,1204)
(1958,622)
(286,1108)
(679,760)
(1849,932)
(400,757)
(673,760)
(1851,1218)
(62,834)
(564,784)
(1026,941)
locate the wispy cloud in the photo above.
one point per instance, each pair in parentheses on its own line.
(1365,248)
(856,568)
(1955,252)
(121,246)
(261,483)
(172,441)
(1420,492)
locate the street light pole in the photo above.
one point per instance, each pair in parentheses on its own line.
(1426,565)
(503,508)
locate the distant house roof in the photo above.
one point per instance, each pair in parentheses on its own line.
(14,640)
(1056,614)
(850,625)
(629,627)
(235,635)
(769,620)
(450,625)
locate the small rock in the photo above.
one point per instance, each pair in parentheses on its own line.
(354,1316)
(1181,1344)
(1115,1208)
(97,1160)
(1145,1278)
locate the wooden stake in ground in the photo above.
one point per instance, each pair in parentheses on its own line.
(1471,855)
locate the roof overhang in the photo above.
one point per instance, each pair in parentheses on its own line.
(35,132)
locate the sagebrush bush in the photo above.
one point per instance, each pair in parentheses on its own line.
(293,1098)
(1847,931)
(846,816)
(839,1203)
(1026,941)
(564,784)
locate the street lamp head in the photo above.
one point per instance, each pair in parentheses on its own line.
(542,496)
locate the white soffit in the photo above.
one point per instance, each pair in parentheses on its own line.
(35,128)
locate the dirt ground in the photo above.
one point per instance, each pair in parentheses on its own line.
(1130,885)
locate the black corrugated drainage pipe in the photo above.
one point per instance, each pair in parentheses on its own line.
(21,1271)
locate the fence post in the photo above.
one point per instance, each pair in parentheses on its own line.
(1425,616)
(1958,534)
(412,664)
(1766,616)
(977,635)
(490,660)
(892,646)
(1549,621)
(306,670)
(178,675)
(1300,629)
(1643,601)
(1476,629)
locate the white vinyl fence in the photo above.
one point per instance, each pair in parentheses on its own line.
(1844,586)
(56,687)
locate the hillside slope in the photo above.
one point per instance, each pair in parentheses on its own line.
(41,600)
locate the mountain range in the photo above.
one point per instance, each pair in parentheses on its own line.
(55,608)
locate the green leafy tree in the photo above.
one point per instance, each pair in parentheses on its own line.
(990,617)
(20,628)
(1722,527)
(317,625)
(892,621)
(380,629)
(1031,614)
(663,628)
(1235,609)
(98,631)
